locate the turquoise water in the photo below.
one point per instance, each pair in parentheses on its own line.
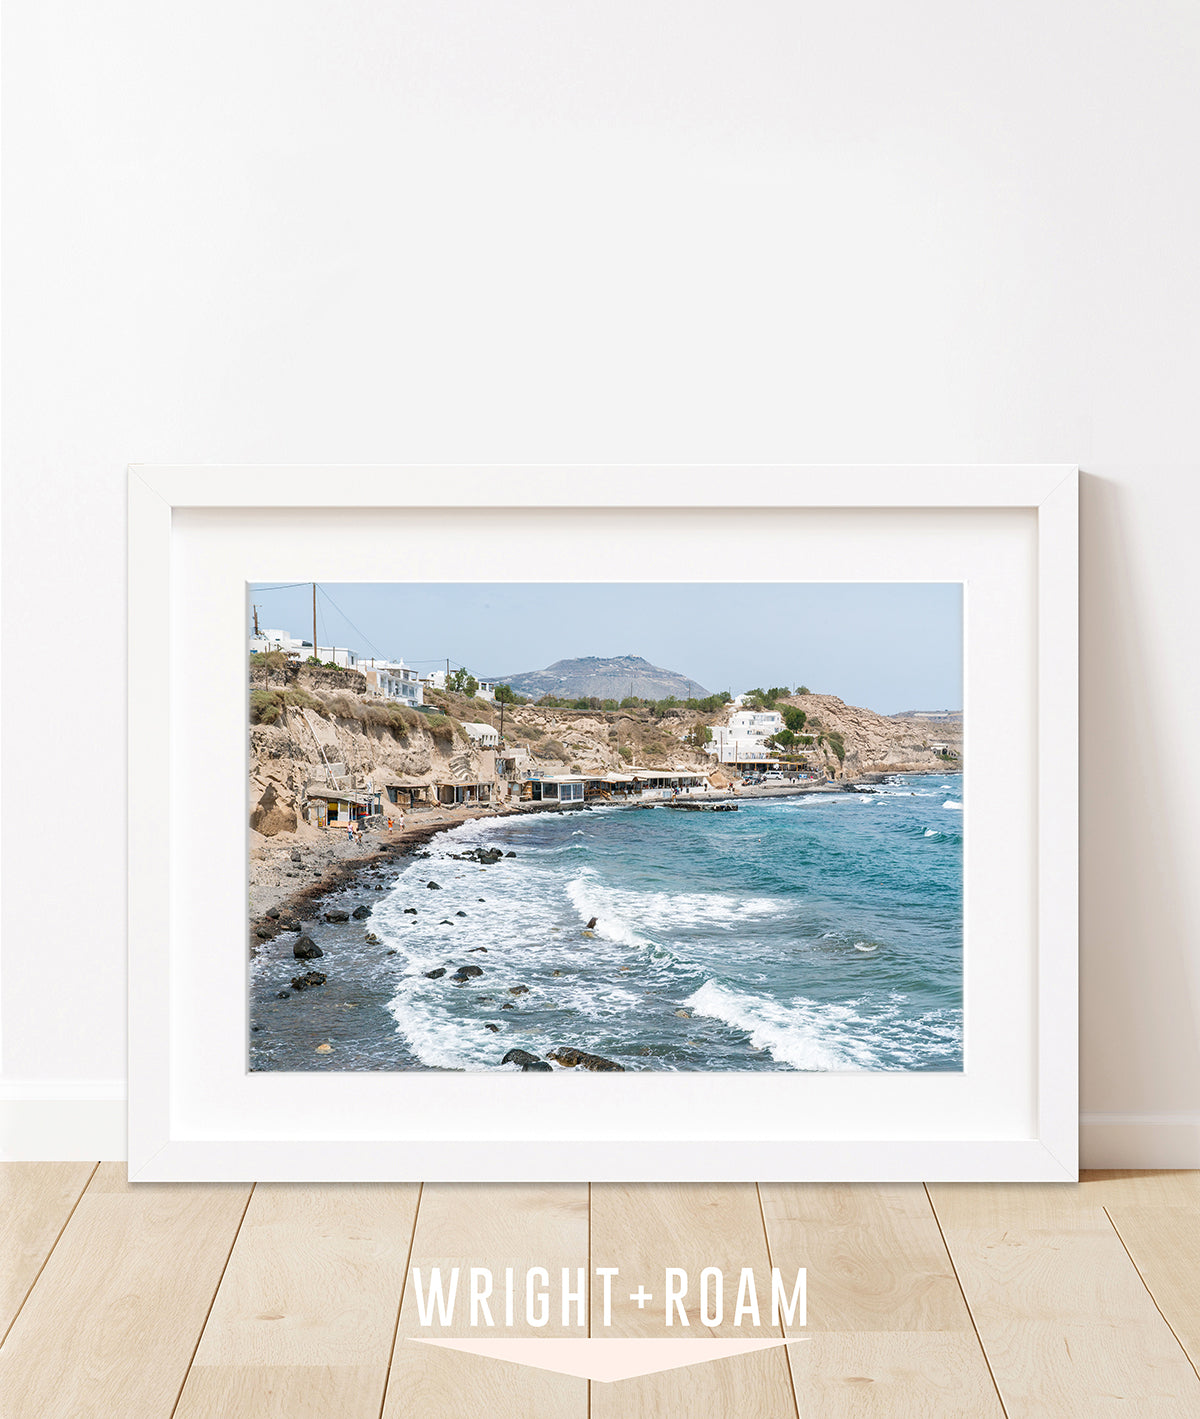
(814,933)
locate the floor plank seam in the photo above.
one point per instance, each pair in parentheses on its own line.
(49,1254)
(1150,1293)
(412,1237)
(987,1360)
(787,1350)
(212,1302)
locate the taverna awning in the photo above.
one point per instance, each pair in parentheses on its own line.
(341,795)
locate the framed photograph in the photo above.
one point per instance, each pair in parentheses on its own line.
(603,823)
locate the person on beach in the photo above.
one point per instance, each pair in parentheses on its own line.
(349,832)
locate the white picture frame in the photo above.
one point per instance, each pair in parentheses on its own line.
(1010,532)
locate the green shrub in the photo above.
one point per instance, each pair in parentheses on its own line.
(440,727)
(265,706)
(552,749)
(626,753)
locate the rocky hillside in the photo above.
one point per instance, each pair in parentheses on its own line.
(296,730)
(850,741)
(611,678)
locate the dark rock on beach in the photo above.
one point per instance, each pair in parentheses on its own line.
(284,995)
(433,886)
(518,990)
(570,1058)
(274,914)
(360,913)
(529,1063)
(510,854)
(591,926)
(435,975)
(337,914)
(306,949)
(410,911)
(460,913)
(265,933)
(310,978)
(467,972)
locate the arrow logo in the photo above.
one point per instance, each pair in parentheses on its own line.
(607,1360)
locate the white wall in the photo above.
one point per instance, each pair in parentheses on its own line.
(269,232)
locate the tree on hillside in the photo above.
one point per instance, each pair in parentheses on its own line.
(794,719)
(505,695)
(803,690)
(698,736)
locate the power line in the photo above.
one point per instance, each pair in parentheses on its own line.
(361,634)
(283,586)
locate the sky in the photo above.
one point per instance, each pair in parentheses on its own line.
(889,646)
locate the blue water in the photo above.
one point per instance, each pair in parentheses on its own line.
(814,933)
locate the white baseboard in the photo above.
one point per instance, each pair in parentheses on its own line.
(84,1119)
(61,1120)
(1139,1141)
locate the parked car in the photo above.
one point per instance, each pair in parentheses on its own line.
(773,777)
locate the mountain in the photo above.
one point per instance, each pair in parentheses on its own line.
(607,678)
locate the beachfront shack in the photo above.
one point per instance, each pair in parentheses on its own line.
(560,788)
(611,786)
(402,790)
(327,806)
(453,794)
(663,782)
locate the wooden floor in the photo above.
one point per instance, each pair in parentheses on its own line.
(216,1302)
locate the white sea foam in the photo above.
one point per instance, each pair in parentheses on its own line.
(798,1035)
(950,803)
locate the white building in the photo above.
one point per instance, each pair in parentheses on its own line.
(743,739)
(393,680)
(279,640)
(437,681)
(297,649)
(485,735)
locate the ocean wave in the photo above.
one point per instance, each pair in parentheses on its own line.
(793,1035)
(443,1041)
(950,803)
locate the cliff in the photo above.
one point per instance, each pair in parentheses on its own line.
(872,743)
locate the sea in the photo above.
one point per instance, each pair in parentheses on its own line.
(816,932)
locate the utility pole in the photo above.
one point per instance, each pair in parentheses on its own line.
(315,655)
(255,610)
